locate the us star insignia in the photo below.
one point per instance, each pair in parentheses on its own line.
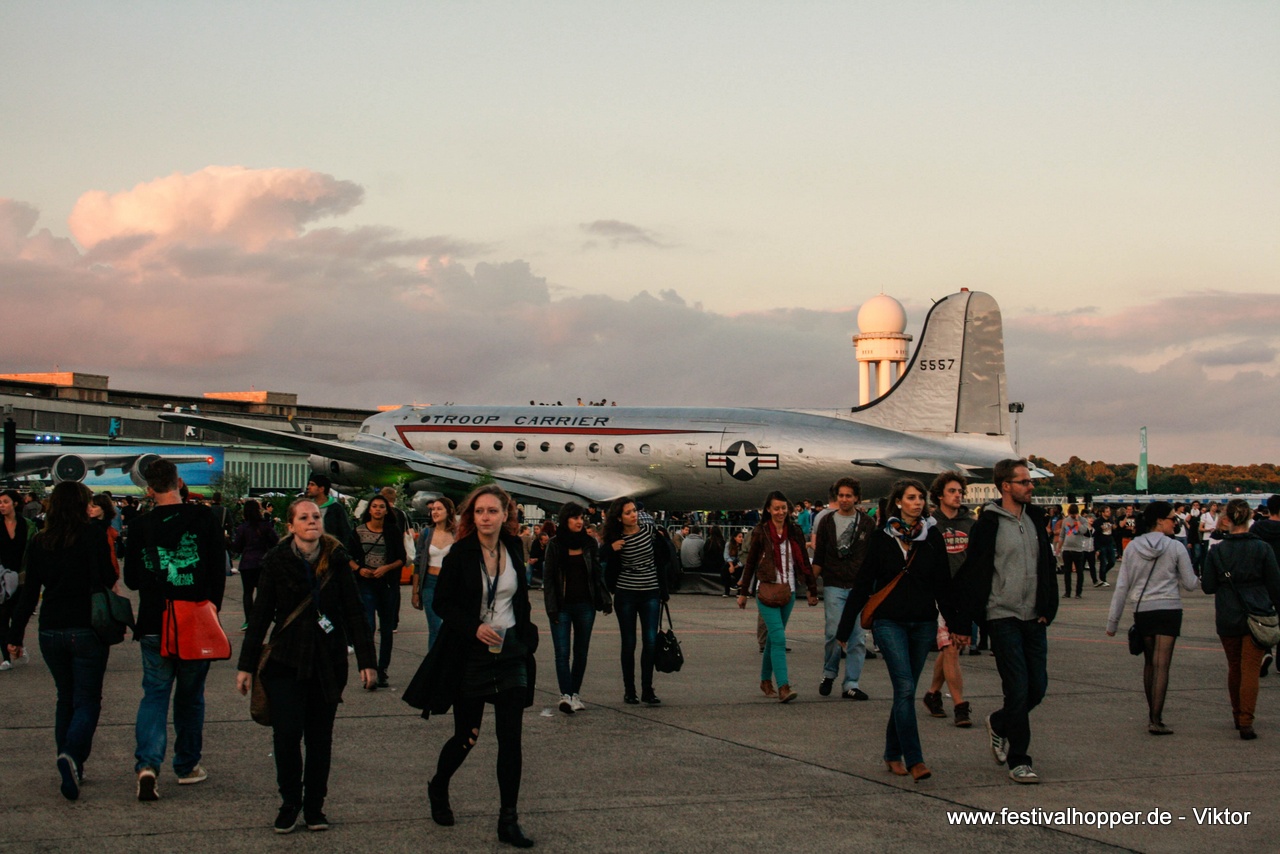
(743,460)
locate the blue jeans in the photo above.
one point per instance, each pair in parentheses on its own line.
(151,730)
(773,661)
(381,600)
(1199,550)
(1022,652)
(427,590)
(576,620)
(1106,558)
(647,606)
(905,646)
(77,661)
(833,599)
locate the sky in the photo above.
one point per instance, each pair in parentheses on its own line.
(658,203)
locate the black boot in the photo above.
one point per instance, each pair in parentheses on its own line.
(441,812)
(509,830)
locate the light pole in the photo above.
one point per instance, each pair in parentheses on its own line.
(1015,409)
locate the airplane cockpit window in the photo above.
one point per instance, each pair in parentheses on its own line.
(497,446)
(364,429)
(425,418)
(644,449)
(618,448)
(568,447)
(475,444)
(546,446)
(453,444)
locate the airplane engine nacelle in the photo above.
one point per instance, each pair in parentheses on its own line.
(342,474)
(68,467)
(138,472)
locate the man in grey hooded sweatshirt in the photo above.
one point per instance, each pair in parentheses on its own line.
(1008,584)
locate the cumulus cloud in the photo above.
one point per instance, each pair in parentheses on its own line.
(368,316)
(17,242)
(245,207)
(616,233)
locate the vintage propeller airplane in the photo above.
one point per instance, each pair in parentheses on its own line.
(946,411)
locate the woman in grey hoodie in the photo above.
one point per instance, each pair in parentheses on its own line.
(1155,565)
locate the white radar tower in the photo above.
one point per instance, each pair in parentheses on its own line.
(881,346)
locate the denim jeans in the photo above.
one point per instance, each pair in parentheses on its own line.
(381,600)
(77,661)
(1106,558)
(905,646)
(1022,652)
(427,590)
(833,599)
(629,606)
(576,620)
(151,730)
(773,661)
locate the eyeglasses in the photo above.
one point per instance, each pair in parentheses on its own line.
(1171,518)
(1023,482)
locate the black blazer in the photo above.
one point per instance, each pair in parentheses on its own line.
(459,593)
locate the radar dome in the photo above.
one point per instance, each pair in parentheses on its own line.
(882,313)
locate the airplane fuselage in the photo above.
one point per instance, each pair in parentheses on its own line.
(676,457)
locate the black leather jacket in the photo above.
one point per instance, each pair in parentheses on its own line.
(553,577)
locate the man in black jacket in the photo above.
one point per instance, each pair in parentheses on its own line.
(176,551)
(1010,542)
(337,522)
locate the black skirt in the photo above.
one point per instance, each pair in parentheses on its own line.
(490,673)
(1166,622)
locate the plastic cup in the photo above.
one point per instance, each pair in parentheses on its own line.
(502,633)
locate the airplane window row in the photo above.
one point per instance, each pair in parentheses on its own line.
(569,447)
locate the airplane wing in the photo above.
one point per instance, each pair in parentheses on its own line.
(376,452)
(914,465)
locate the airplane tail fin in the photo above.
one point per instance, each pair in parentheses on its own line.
(955,380)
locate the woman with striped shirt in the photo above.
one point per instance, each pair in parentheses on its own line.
(636,563)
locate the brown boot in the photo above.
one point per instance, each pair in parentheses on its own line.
(785,694)
(767,687)
(962,715)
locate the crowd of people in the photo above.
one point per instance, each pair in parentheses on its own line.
(920,573)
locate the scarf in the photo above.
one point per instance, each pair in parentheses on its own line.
(777,538)
(898,529)
(573,539)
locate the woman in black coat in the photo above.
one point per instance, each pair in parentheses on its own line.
(484,654)
(308,591)
(910,548)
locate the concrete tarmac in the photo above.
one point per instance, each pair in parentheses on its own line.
(716,768)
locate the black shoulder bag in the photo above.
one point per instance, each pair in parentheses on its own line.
(667,657)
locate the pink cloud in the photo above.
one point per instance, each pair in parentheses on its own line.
(248,208)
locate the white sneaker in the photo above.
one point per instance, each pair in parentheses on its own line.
(1024,774)
(577,703)
(566,704)
(999,745)
(6,665)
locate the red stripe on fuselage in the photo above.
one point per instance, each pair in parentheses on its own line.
(534,430)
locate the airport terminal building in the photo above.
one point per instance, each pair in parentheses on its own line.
(73,410)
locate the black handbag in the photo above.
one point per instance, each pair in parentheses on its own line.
(1136,644)
(110,616)
(667,657)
